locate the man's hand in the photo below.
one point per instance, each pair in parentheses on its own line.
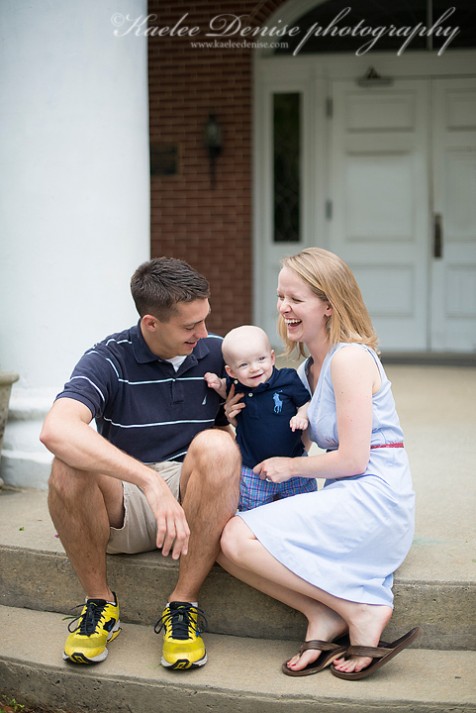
(173,532)
(233,406)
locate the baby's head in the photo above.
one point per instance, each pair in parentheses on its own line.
(248,355)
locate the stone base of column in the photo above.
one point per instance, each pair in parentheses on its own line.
(25,462)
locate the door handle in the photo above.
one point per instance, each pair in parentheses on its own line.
(437,235)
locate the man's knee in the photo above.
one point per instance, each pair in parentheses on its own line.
(63,478)
(215,448)
(57,474)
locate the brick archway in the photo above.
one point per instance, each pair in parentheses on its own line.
(211,228)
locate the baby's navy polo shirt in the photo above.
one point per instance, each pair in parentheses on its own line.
(140,403)
(263,429)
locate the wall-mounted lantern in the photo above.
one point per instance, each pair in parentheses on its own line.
(214,144)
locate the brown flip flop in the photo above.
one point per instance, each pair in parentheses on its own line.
(330,651)
(381,655)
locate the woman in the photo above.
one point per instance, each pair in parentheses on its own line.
(336,558)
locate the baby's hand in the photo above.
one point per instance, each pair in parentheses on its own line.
(298,423)
(215,383)
(212,380)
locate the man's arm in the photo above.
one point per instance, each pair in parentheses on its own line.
(67,434)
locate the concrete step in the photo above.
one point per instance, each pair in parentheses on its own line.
(242,676)
(439,593)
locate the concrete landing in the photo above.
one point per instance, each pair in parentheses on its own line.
(439,594)
(250,634)
(243,675)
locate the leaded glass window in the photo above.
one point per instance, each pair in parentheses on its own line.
(341,26)
(287,167)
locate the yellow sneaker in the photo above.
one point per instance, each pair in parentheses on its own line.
(97,624)
(183,646)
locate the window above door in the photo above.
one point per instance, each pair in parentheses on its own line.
(339,26)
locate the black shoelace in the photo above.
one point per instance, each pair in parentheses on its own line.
(180,619)
(90,619)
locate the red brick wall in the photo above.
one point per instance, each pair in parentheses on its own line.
(210,228)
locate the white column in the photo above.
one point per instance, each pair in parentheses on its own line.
(74,199)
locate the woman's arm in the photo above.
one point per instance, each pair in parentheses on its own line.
(355,378)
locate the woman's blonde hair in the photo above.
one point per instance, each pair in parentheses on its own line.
(332,280)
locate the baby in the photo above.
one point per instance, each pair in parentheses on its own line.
(275,410)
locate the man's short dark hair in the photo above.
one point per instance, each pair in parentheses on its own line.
(159,284)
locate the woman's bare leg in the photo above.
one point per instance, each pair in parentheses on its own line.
(323,623)
(245,557)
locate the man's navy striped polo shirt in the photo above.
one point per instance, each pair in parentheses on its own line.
(140,403)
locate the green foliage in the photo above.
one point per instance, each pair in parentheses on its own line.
(10,705)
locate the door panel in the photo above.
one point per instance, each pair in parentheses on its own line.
(380,199)
(453,279)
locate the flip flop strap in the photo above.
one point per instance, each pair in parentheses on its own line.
(375,652)
(316,644)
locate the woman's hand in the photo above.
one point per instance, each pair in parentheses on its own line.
(274,470)
(233,406)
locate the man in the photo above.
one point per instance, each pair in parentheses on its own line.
(161,470)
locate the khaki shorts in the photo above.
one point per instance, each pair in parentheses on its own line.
(139,530)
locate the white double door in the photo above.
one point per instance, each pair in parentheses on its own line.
(403,186)
(397,167)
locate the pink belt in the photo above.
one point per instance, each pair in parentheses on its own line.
(388,445)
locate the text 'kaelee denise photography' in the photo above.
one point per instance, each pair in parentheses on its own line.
(230,30)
